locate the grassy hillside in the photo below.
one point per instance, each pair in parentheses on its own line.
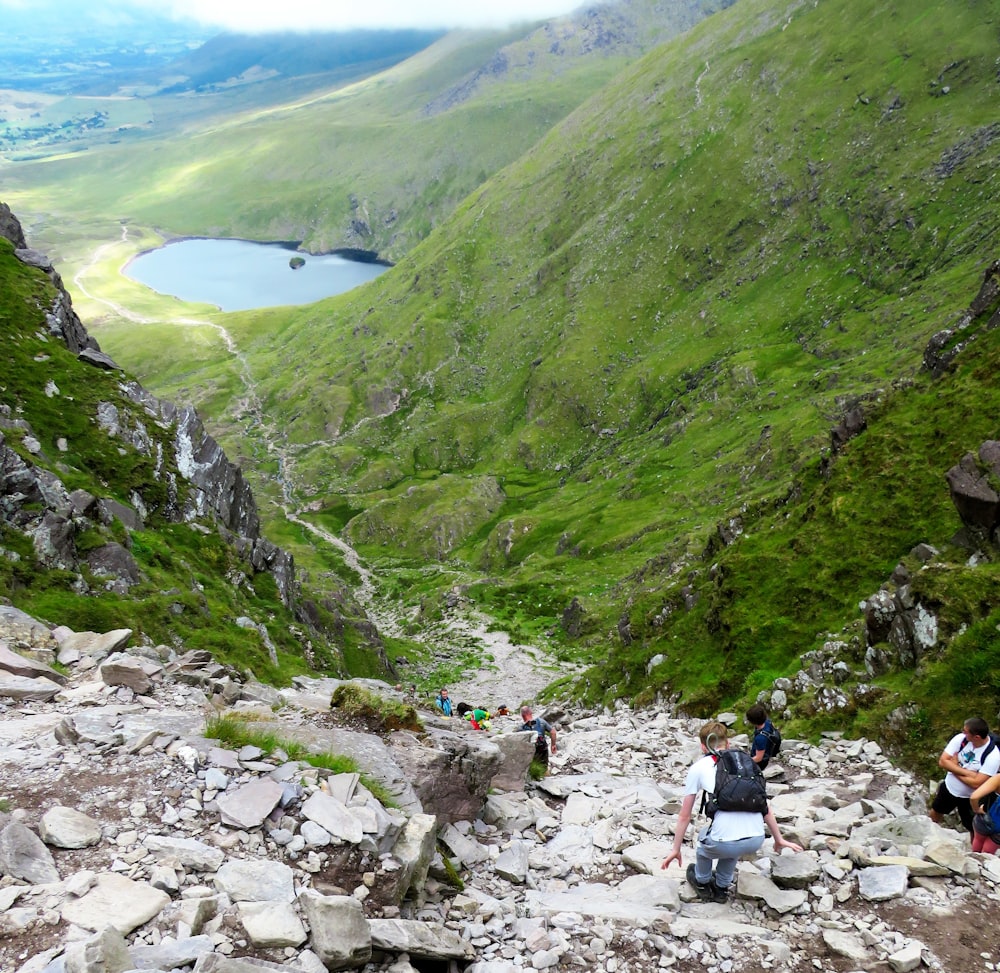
(647,327)
(192,583)
(373,164)
(643,330)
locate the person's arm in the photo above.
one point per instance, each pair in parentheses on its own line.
(949,761)
(990,786)
(552,734)
(779,842)
(757,755)
(973,778)
(683,820)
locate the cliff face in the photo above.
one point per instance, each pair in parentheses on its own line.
(171,469)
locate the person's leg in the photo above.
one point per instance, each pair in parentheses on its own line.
(943,803)
(990,846)
(725,854)
(725,869)
(964,808)
(702,860)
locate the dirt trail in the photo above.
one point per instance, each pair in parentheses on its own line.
(506,672)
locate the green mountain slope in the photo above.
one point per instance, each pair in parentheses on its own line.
(373,164)
(646,328)
(117,512)
(599,396)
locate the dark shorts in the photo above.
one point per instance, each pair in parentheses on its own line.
(542,751)
(944,802)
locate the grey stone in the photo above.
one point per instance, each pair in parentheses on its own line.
(170,954)
(424,939)
(638,899)
(341,936)
(908,958)
(255,880)
(126,671)
(97,645)
(19,665)
(117,901)
(186,852)
(66,828)
(847,944)
(38,689)
(883,882)
(217,963)
(23,855)
(248,806)
(512,864)
(794,871)
(104,953)
(272,924)
(750,885)
(334,817)
(314,835)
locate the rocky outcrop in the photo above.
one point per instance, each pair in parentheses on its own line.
(982,315)
(974,483)
(181,854)
(192,478)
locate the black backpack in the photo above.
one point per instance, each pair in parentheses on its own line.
(773,744)
(739,784)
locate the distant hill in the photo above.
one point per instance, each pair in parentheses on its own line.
(245,58)
(352,158)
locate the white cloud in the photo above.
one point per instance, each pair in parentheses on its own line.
(274,15)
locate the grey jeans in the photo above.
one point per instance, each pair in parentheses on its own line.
(726,855)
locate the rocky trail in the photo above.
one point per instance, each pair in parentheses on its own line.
(130,841)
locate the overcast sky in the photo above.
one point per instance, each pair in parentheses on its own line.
(260,15)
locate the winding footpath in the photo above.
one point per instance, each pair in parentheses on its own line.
(506,671)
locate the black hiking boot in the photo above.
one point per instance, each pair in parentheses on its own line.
(703,889)
(719,894)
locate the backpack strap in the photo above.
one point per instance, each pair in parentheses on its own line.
(990,747)
(704,794)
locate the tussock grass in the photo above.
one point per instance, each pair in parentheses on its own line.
(235,732)
(389,714)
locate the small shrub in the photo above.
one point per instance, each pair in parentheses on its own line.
(386,714)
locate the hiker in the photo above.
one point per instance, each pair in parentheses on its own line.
(442,702)
(971,758)
(729,835)
(478,717)
(766,738)
(501,710)
(986,822)
(541,728)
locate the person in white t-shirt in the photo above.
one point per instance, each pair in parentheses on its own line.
(729,835)
(971,758)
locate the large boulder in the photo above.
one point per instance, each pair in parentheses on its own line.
(453,774)
(971,485)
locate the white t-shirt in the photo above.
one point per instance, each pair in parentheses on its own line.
(971,759)
(726,825)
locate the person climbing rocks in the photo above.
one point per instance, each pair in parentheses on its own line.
(729,835)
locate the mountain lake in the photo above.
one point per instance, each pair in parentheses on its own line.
(237,275)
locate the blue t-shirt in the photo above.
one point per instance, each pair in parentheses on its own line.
(538,725)
(444,705)
(762,741)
